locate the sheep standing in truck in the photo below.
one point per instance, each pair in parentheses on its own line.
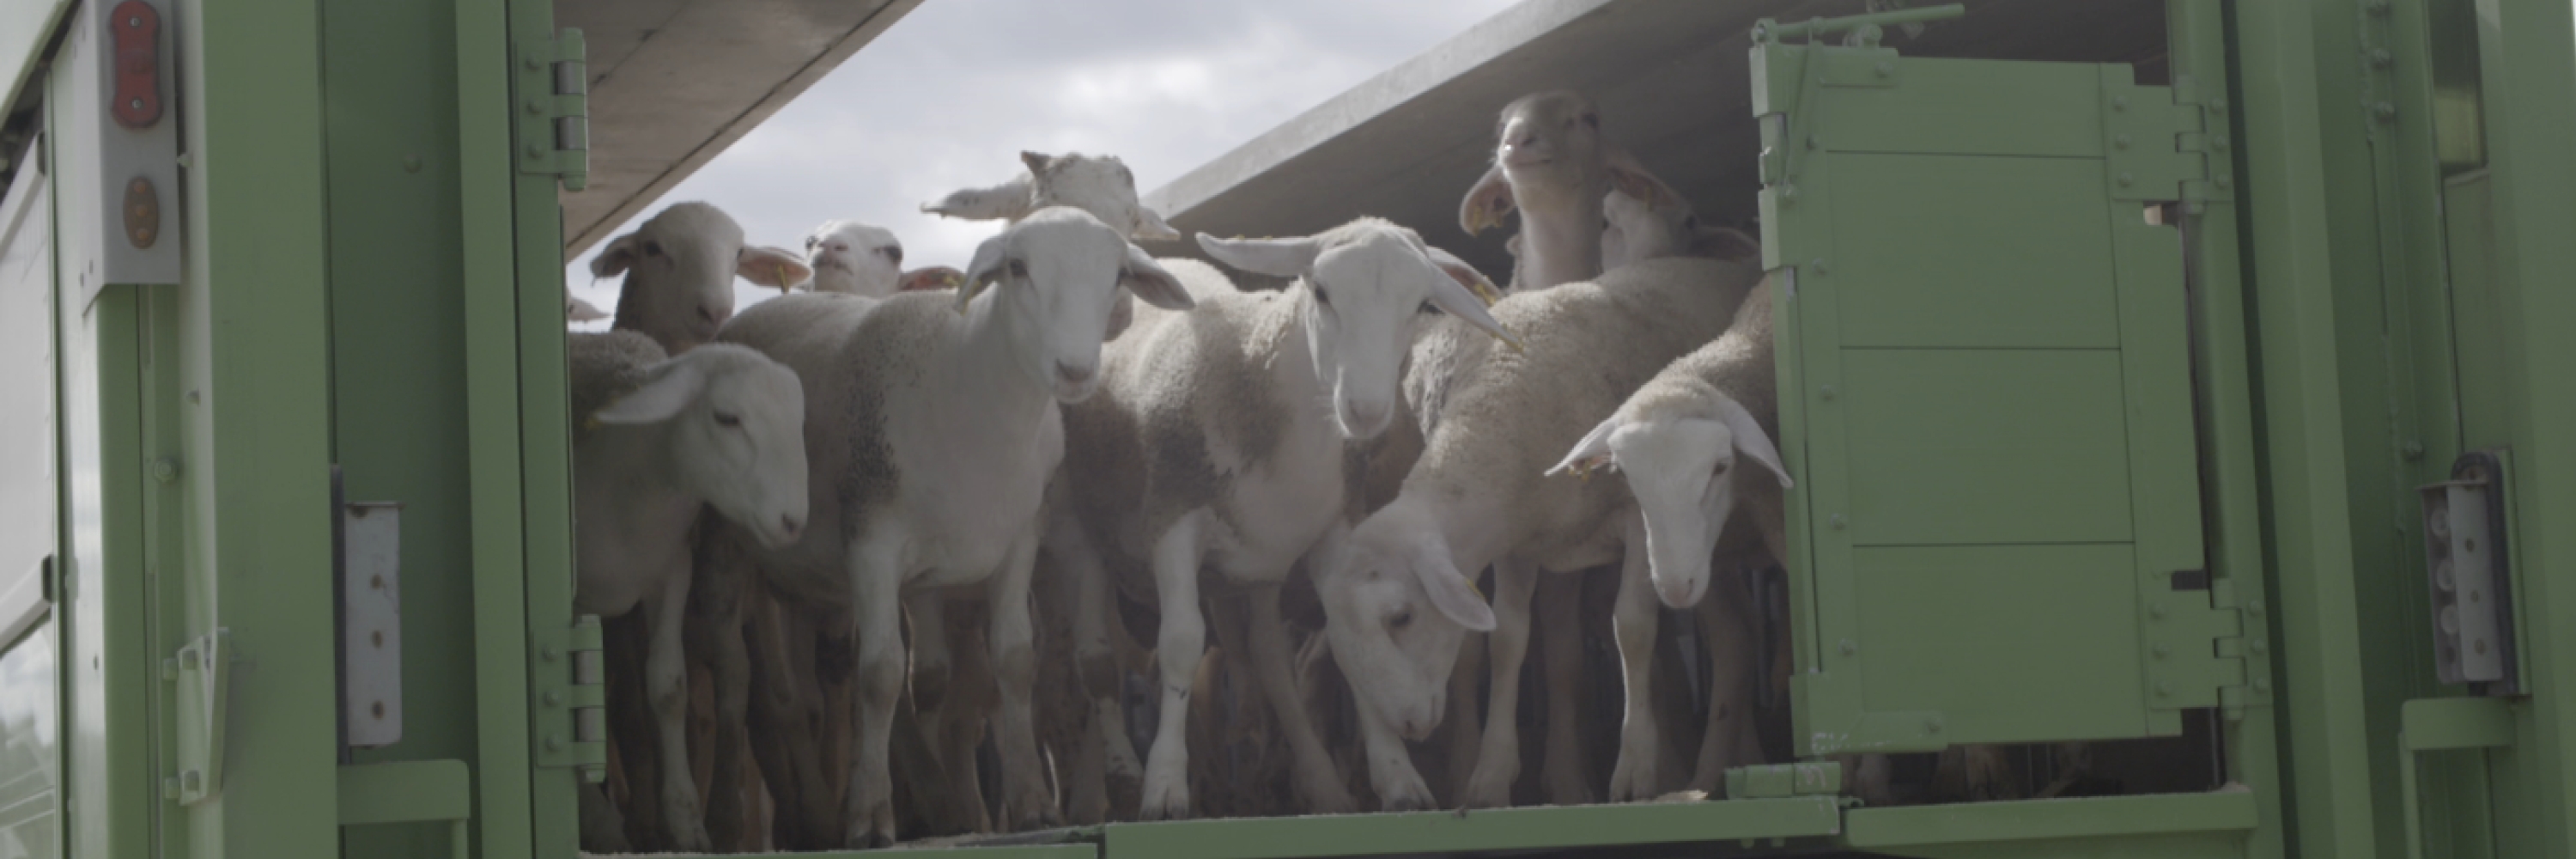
(1219,443)
(936,428)
(1478,496)
(718,427)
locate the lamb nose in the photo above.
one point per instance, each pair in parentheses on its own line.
(789,525)
(1072,374)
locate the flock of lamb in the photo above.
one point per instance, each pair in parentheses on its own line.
(902,514)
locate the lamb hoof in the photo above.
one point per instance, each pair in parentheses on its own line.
(1170,801)
(1489,787)
(1408,793)
(1632,779)
(1328,798)
(1408,803)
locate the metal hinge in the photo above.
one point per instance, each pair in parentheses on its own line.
(203,673)
(2161,143)
(552,84)
(572,719)
(2202,649)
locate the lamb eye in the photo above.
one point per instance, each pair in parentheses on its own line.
(726,420)
(1592,119)
(1323,299)
(652,248)
(1401,619)
(1019,268)
(893,255)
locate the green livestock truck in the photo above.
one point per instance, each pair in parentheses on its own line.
(2163,381)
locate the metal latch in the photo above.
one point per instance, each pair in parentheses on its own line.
(2465,559)
(572,715)
(371,629)
(553,86)
(203,672)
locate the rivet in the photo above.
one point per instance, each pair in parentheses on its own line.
(2127,180)
(2220,142)
(530,63)
(2223,183)
(2219,102)
(1885,68)
(1850,647)
(1931,726)
(1813,144)
(2156,611)
(165,469)
(1837,521)
(1788,194)
(411,163)
(2386,111)
(2120,103)
(2262,684)
(2163,651)
(2260,645)
(554,698)
(2121,141)
(536,152)
(1828,393)
(2414,450)
(2256,605)
(550,654)
(1818,264)
(533,109)
(555,743)
(2382,58)
(2164,688)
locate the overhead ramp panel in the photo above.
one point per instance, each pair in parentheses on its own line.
(1670,77)
(675,82)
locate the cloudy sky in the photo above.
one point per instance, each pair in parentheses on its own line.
(949,96)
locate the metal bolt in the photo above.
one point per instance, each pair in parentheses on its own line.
(1819,265)
(2127,180)
(2156,611)
(550,654)
(165,469)
(555,743)
(2378,7)
(2219,142)
(1837,521)
(137,104)
(1788,194)
(2163,651)
(554,698)
(1885,68)
(2121,141)
(2260,645)
(1931,726)
(2386,111)
(2413,450)
(530,63)
(533,109)
(2120,103)
(1850,647)
(2164,688)
(2382,58)
(1828,393)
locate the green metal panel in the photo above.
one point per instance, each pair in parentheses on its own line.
(1463,831)
(2207,824)
(1987,392)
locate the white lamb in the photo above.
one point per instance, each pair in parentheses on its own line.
(679,269)
(1635,229)
(1552,163)
(1478,496)
(865,259)
(1218,441)
(935,430)
(1099,184)
(661,438)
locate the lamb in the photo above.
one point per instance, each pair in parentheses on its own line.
(1665,226)
(577,310)
(1553,164)
(1478,496)
(1695,447)
(1099,184)
(679,269)
(935,430)
(660,438)
(1219,441)
(865,259)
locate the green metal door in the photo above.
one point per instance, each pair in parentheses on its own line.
(1986,396)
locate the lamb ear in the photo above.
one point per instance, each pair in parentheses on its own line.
(1152,227)
(668,387)
(1037,162)
(1466,275)
(616,258)
(981,272)
(934,277)
(1487,202)
(1592,452)
(1450,293)
(1750,440)
(1289,257)
(773,267)
(1008,201)
(1152,283)
(1449,590)
(1631,178)
(1728,244)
